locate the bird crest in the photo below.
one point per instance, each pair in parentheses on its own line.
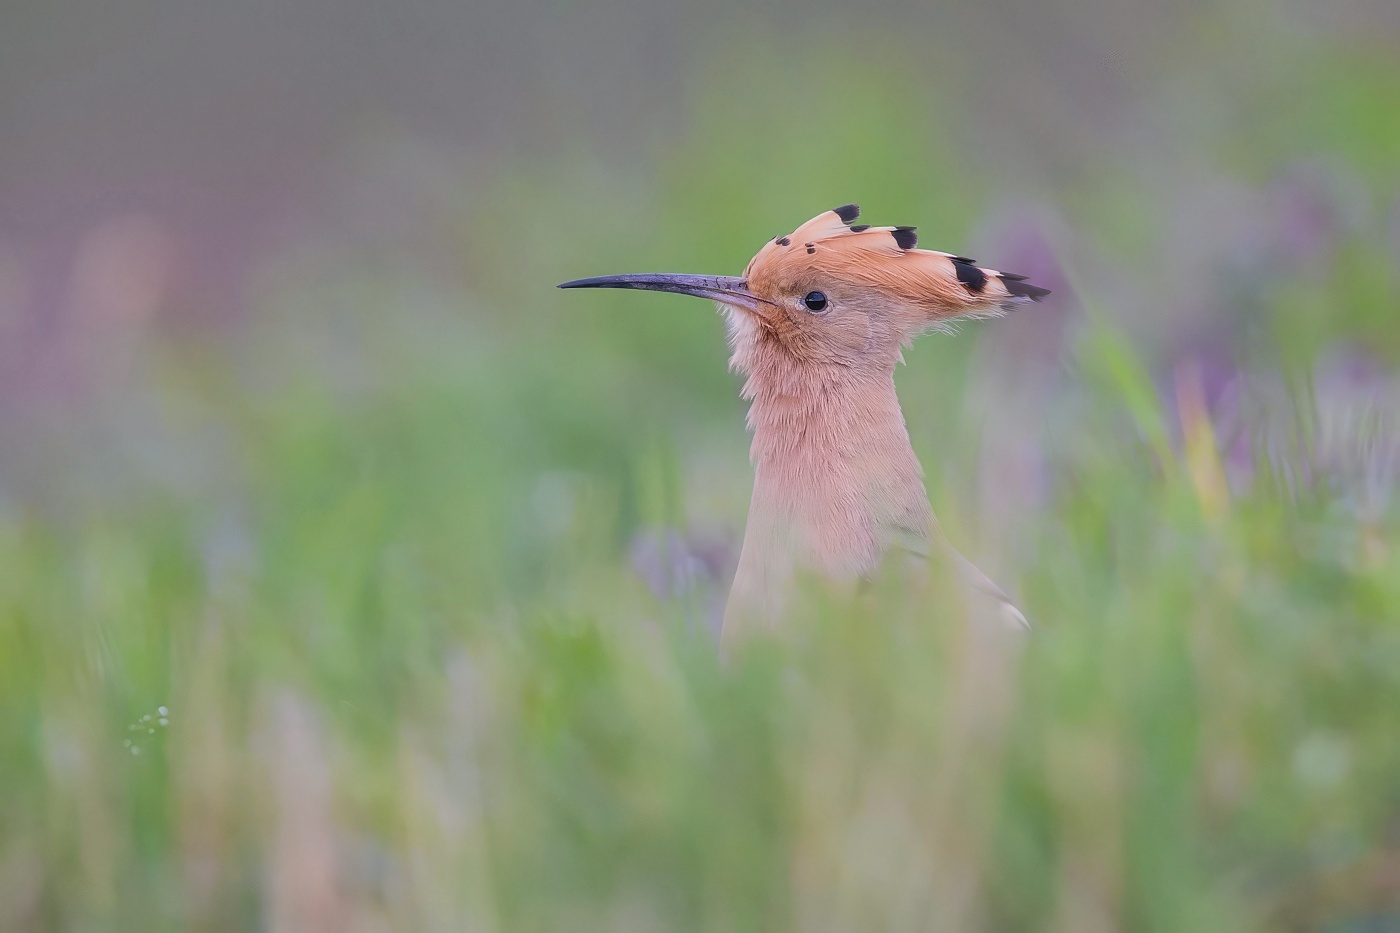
(887,261)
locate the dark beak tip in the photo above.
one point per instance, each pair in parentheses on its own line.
(601,281)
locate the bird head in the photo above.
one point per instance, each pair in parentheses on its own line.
(837,292)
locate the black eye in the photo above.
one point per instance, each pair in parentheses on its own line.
(815,301)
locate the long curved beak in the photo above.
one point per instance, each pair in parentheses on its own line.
(729,289)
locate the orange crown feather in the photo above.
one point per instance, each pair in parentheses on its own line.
(886,260)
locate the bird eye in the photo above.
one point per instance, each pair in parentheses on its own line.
(815,301)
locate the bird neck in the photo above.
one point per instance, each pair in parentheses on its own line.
(836,482)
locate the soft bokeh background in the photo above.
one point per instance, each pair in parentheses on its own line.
(353,578)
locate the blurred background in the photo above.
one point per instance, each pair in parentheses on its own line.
(353,578)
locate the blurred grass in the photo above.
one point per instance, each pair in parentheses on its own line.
(414,682)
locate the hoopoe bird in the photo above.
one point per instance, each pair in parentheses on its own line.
(816,324)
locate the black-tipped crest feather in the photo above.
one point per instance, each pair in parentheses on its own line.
(973,278)
(1020,288)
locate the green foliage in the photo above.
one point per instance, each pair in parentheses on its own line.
(413,680)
